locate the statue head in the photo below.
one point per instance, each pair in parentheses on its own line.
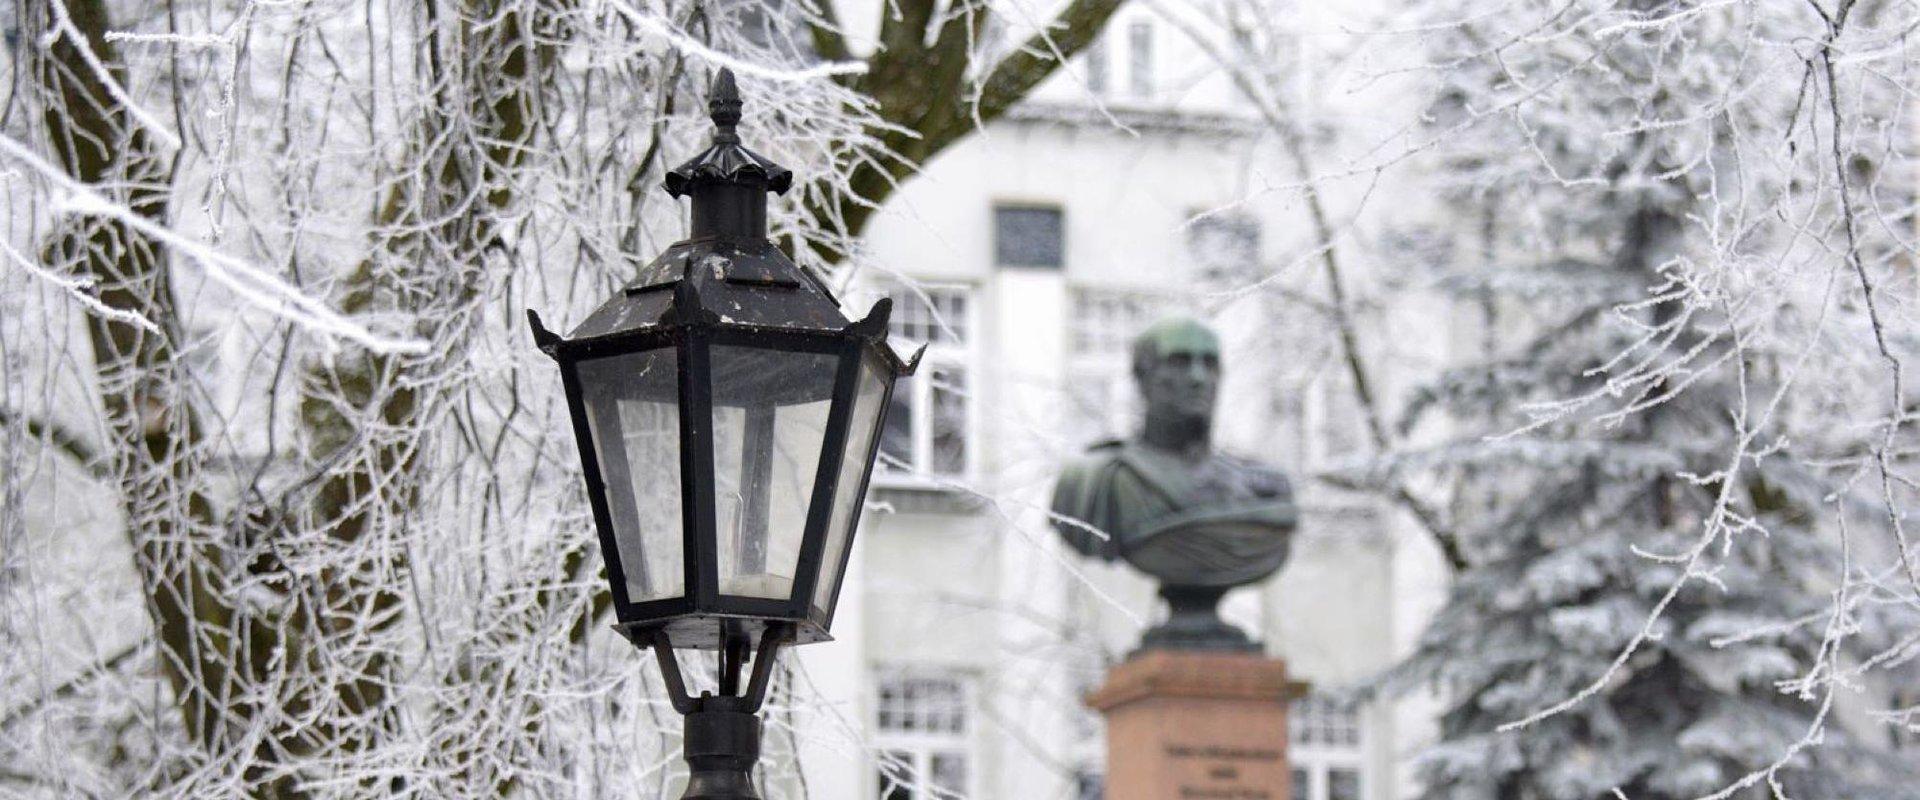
(1176,364)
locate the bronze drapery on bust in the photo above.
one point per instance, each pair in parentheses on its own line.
(1198,521)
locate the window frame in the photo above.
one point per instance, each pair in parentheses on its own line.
(1099,65)
(919,390)
(1332,428)
(922,746)
(1320,759)
(1110,361)
(1140,59)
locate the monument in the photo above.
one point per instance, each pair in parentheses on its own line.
(1197,711)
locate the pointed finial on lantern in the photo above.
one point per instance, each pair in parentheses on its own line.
(726,162)
(723,107)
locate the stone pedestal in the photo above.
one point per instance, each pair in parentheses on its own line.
(1184,725)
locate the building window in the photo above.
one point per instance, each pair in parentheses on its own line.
(1225,248)
(1028,236)
(1101,399)
(928,432)
(922,727)
(1326,749)
(1097,67)
(1140,61)
(1105,321)
(1089,785)
(1332,421)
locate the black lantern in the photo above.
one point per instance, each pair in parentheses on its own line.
(727,414)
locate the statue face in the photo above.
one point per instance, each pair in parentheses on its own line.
(1181,381)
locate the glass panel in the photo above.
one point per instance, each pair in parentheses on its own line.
(949,420)
(632,406)
(862,424)
(1343,784)
(1302,785)
(1097,66)
(949,704)
(1140,38)
(949,774)
(769,422)
(895,773)
(1319,720)
(1028,236)
(889,701)
(896,439)
(928,315)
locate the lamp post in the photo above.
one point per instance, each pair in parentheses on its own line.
(727,414)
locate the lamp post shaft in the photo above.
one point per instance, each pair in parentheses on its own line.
(721,748)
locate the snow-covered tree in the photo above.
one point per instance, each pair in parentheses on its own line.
(1677,224)
(290,506)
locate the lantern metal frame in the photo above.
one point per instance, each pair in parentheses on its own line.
(690,618)
(727,286)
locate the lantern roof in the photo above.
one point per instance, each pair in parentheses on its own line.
(715,281)
(726,272)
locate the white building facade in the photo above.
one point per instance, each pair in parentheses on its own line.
(1026,258)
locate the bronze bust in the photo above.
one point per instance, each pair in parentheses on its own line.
(1199,521)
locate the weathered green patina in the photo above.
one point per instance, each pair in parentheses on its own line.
(1198,521)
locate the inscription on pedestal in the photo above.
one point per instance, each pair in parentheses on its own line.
(1196,726)
(1223,771)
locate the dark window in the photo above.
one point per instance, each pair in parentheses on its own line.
(895,776)
(1089,785)
(1028,236)
(1343,784)
(949,420)
(896,439)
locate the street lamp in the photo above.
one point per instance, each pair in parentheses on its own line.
(727,414)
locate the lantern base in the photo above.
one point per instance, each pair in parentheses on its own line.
(721,748)
(711,631)
(722,740)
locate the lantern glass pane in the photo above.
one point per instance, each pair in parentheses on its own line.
(862,426)
(770,411)
(633,409)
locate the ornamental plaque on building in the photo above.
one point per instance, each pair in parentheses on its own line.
(1198,711)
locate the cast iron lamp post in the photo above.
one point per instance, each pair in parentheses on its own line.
(727,414)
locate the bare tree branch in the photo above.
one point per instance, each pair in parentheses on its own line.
(57,436)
